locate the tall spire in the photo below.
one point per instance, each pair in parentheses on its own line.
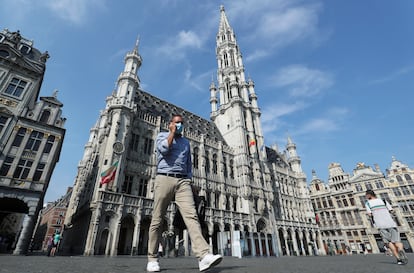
(224,23)
(136,46)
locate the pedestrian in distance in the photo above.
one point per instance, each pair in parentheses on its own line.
(49,245)
(173,181)
(56,239)
(381,213)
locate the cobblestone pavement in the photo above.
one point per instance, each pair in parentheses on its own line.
(376,263)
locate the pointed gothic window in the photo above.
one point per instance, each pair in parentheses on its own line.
(208,198)
(217,200)
(195,157)
(45,116)
(127,185)
(207,165)
(142,187)
(133,145)
(148,146)
(228,91)
(251,176)
(226,60)
(231,169)
(227,202)
(215,164)
(225,172)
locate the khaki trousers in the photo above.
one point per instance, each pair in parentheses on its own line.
(165,189)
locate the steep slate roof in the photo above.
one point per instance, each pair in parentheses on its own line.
(158,107)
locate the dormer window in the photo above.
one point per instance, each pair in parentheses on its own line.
(45,116)
(25,49)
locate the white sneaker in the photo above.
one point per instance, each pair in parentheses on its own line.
(153,267)
(209,261)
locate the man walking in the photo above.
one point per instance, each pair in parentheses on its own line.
(381,213)
(174,180)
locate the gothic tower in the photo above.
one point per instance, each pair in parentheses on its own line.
(237,115)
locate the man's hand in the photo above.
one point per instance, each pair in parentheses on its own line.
(172,129)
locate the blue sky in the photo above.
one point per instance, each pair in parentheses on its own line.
(335,76)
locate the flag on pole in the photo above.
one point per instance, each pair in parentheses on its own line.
(109,175)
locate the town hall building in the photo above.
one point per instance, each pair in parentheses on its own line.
(257,197)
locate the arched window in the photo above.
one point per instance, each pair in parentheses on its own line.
(226,60)
(231,169)
(195,158)
(214,163)
(45,116)
(207,166)
(233,63)
(225,172)
(407,177)
(399,179)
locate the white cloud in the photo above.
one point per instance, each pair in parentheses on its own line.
(302,81)
(281,23)
(271,117)
(258,54)
(330,121)
(288,26)
(175,47)
(394,75)
(319,125)
(277,110)
(74,11)
(198,81)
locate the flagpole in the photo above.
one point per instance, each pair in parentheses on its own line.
(118,151)
(119,158)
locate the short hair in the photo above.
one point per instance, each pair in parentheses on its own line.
(371,192)
(175,115)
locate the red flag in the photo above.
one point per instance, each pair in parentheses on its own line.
(316,218)
(252,142)
(109,175)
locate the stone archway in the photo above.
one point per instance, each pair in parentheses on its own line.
(12,214)
(215,238)
(103,242)
(261,225)
(282,242)
(126,235)
(143,236)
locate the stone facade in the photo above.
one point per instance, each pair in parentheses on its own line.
(340,206)
(257,198)
(31,136)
